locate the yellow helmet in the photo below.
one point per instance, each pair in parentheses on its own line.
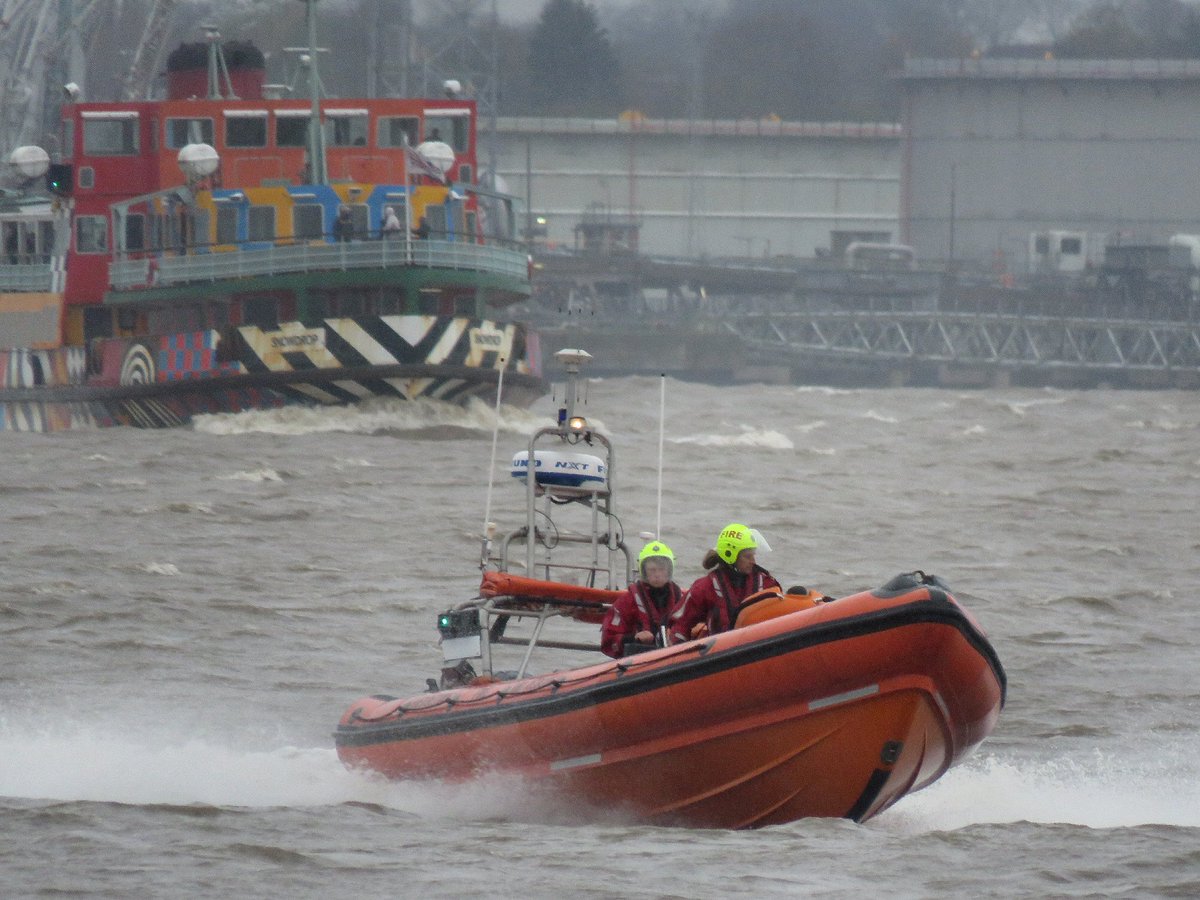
(655,550)
(733,539)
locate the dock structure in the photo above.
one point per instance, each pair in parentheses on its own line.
(983,349)
(725,321)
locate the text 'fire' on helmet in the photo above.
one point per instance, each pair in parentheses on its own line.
(656,550)
(733,539)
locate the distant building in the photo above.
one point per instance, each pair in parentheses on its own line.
(744,188)
(1001,156)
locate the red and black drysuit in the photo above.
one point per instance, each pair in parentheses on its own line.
(714,598)
(639,608)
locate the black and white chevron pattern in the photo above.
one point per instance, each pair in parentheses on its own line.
(358,343)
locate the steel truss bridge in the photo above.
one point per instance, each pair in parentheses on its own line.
(917,345)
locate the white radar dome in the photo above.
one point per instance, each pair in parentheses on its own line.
(30,162)
(438,153)
(198,160)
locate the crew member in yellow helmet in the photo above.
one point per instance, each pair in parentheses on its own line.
(711,604)
(634,622)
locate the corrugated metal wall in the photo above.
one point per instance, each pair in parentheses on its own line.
(715,188)
(1102,147)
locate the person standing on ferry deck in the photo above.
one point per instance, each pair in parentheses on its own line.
(343,225)
(632,624)
(710,605)
(391,223)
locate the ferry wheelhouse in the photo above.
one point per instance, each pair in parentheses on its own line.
(229,248)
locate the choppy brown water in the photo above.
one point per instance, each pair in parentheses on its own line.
(185,614)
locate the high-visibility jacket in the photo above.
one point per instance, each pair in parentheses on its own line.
(636,610)
(714,598)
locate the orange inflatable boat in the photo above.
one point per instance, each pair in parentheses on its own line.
(807,707)
(835,709)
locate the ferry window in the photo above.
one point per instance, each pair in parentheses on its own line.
(91,234)
(181,132)
(46,239)
(354,304)
(127,320)
(398,131)
(346,130)
(450,130)
(176,318)
(199,231)
(291,131)
(135,231)
(360,216)
(87,177)
(1071,246)
(227,221)
(261,226)
(246,131)
(308,221)
(259,311)
(110,137)
(436,216)
(158,227)
(392,301)
(1041,245)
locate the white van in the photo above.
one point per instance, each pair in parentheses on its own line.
(1052,252)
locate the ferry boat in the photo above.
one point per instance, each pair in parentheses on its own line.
(231,248)
(809,706)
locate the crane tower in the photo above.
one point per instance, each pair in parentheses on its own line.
(139,80)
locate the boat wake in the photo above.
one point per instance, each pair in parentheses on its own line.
(376,416)
(766,438)
(94,766)
(1102,791)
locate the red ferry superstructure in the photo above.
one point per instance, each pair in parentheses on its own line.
(208,252)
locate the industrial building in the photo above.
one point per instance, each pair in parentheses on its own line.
(994,161)
(1016,163)
(703,188)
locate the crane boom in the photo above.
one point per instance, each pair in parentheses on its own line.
(38,44)
(138,80)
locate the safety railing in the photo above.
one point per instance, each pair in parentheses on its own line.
(316,257)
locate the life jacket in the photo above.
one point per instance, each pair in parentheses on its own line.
(645,604)
(731,597)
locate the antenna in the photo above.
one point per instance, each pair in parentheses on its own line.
(318,167)
(662,405)
(489,527)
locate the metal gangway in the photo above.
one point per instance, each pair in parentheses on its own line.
(1023,345)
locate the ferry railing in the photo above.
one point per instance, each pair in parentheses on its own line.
(25,277)
(317,256)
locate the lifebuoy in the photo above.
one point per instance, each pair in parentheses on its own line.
(499,584)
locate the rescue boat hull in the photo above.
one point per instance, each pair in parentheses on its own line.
(836,710)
